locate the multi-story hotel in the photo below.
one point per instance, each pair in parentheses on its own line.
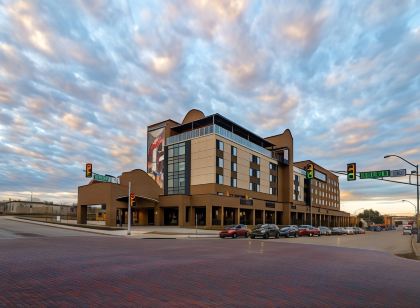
(209,171)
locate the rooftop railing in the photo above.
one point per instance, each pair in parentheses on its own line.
(218,130)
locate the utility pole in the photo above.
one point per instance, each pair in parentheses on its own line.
(417,181)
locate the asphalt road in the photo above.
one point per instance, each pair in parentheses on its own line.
(84,270)
(10,229)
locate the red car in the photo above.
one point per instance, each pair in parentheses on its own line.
(234,231)
(308,230)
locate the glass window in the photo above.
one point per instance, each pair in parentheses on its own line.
(258,173)
(182,150)
(234,151)
(170,183)
(181,166)
(234,167)
(219,179)
(219,162)
(250,171)
(233,182)
(250,186)
(219,145)
(170,168)
(171,152)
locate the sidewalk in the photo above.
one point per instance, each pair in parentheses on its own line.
(415,245)
(146,232)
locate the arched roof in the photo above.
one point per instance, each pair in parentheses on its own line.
(193,115)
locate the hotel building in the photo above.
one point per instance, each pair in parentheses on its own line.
(209,171)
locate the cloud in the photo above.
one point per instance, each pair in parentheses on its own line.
(80,81)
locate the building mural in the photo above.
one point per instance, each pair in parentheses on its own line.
(155,154)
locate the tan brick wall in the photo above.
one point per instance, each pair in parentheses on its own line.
(203,160)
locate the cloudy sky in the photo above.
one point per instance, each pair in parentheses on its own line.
(81,80)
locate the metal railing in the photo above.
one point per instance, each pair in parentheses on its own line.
(215,129)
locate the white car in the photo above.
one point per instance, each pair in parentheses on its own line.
(349,230)
(407,230)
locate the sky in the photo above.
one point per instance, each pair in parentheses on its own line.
(81,80)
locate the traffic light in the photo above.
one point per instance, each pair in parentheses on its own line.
(132,199)
(310,171)
(351,172)
(88,170)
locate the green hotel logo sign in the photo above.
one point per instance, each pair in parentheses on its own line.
(375,174)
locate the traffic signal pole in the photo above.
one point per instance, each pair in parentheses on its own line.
(310,199)
(417,216)
(129,209)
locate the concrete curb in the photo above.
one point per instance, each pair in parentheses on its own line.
(54,225)
(415,246)
(121,233)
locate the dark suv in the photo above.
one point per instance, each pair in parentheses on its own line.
(265,231)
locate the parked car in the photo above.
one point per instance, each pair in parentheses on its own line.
(308,230)
(285,226)
(324,231)
(337,231)
(289,232)
(266,231)
(349,230)
(360,230)
(407,230)
(234,231)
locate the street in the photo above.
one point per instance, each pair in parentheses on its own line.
(58,267)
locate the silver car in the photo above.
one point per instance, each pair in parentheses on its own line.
(324,231)
(349,230)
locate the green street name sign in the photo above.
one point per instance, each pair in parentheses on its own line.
(375,174)
(103,178)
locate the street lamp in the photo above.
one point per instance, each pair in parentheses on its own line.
(417,185)
(411,204)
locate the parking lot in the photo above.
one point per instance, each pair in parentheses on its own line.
(388,241)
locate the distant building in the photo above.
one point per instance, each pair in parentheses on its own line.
(35,208)
(396,220)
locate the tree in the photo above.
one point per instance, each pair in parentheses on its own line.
(372,216)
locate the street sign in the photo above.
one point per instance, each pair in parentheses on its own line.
(104,178)
(400,172)
(375,174)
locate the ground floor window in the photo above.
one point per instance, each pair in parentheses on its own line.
(269,217)
(200,216)
(245,217)
(215,215)
(170,216)
(258,217)
(229,216)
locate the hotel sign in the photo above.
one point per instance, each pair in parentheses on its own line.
(243,201)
